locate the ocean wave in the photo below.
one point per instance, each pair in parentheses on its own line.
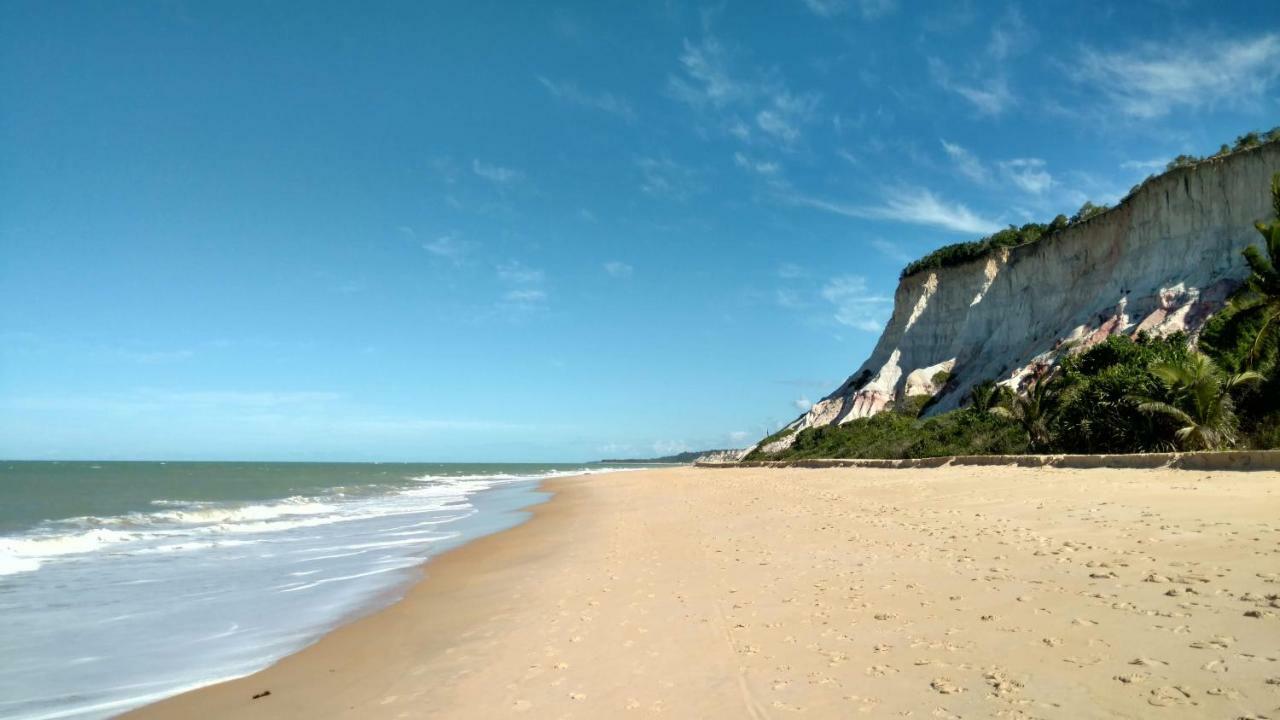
(184,526)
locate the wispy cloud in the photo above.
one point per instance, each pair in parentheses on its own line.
(761,167)
(525,297)
(618,269)
(663,177)
(988,93)
(516,273)
(855,305)
(1028,174)
(917,206)
(524,294)
(447,247)
(784,113)
(803,404)
(763,109)
(1152,80)
(604,101)
(495,174)
(967,163)
(870,9)
(1010,36)
(706,79)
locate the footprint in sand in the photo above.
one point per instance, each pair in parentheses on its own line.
(521,705)
(945,686)
(1170,695)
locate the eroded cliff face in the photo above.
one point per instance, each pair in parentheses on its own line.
(1162,261)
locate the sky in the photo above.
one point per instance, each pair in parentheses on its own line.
(496,231)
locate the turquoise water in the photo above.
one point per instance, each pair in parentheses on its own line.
(122,582)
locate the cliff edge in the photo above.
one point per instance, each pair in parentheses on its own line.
(1164,260)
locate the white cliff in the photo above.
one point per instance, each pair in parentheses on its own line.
(1162,261)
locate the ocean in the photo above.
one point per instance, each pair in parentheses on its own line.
(125,582)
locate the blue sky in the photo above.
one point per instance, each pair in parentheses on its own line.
(536,231)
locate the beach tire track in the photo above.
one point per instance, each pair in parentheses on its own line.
(756,710)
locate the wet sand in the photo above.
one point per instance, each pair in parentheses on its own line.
(770,593)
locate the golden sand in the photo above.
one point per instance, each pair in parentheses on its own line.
(774,593)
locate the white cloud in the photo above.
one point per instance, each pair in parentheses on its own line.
(870,9)
(803,404)
(767,104)
(1029,174)
(516,273)
(708,80)
(854,305)
(1154,79)
(524,292)
(527,297)
(495,174)
(663,177)
(605,101)
(446,247)
(967,163)
(785,113)
(917,206)
(1010,36)
(618,269)
(989,92)
(761,167)
(737,437)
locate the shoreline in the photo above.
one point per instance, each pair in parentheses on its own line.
(234,697)
(763,592)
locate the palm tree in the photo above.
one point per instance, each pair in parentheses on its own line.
(1034,410)
(1201,401)
(1263,286)
(987,396)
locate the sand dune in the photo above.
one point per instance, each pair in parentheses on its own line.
(773,593)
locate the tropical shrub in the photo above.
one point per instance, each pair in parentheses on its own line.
(1201,403)
(1096,414)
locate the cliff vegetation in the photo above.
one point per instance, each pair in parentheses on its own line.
(1121,395)
(1014,236)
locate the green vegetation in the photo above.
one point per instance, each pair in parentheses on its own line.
(1096,413)
(898,435)
(784,432)
(1244,142)
(1034,410)
(1119,396)
(1202,405)
(1014,236)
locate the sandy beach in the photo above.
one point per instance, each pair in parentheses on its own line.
(771,593)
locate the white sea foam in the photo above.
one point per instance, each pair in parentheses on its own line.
(249,581)
(184,526)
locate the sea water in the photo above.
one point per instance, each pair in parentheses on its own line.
(125,582)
